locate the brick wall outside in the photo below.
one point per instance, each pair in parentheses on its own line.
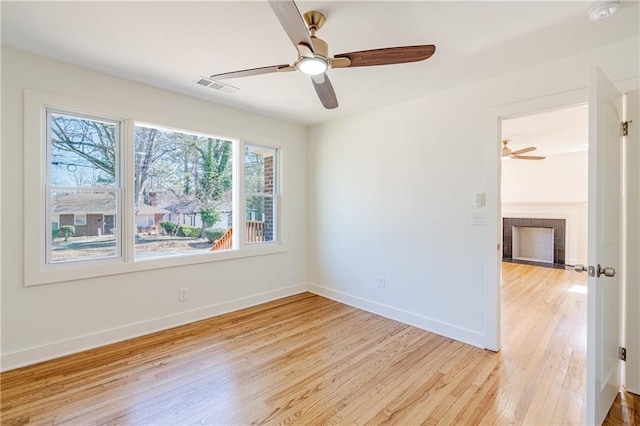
(269,183)
(93,226)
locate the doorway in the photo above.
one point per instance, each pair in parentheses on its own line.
(544,193)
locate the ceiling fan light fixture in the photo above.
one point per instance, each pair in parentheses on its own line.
(312,66)
(602,11)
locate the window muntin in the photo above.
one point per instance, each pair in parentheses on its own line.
(82,186)
(183,188)
(260,186)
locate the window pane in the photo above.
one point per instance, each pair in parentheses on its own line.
(260,187)
(259,166)
(83,151)
(93,238)
(260,219)
(183,191)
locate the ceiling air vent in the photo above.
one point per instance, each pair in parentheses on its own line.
(216,85)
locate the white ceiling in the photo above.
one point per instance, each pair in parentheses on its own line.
(551,132)
(171,44)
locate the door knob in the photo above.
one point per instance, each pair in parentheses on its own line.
(607,271)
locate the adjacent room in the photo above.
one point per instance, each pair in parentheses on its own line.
(209,215)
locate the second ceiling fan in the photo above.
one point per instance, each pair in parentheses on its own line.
(517,154)
(313,53)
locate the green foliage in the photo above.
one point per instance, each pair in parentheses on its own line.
(54,233)
(189,231)
(169,226)
(215,179)
(214,234)
(210,215)
(67,231)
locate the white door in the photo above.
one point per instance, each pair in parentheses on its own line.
(605,199)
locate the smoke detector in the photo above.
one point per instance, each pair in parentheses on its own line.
(602,11)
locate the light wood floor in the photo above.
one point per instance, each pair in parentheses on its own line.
(310,360)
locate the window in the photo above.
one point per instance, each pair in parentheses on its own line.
(260,187)
(183,184)
(193,197)
(82,185)
(80,220)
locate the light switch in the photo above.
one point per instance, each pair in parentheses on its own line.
(478,199)
(478,219)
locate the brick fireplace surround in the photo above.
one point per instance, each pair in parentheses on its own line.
(558,226)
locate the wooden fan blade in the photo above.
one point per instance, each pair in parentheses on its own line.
(249,72)
(292,22)
(524,150)
(389,55)
(527,157)
(325,91)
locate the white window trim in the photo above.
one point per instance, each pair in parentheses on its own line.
(37,218)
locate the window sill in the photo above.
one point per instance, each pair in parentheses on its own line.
(63,272)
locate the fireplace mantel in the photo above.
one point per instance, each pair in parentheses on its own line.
(575,215)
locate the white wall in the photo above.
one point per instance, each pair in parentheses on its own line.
(40,322)
(553,188)
(560,178)
(393,196)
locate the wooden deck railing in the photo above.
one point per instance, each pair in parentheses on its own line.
(225,242)
(255,234)
(255,231)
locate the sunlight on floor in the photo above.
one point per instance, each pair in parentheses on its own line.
(576,288)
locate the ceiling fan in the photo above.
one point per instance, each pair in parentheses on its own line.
(313,53)
(516,155)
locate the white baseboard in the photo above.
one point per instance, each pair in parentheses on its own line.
(49,351)
(61,348)
(447,330)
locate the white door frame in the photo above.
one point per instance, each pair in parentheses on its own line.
(494,203)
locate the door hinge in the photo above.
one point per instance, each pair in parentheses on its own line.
(625,127)
(622,354)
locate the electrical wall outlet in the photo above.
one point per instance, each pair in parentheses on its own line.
(382,282)
(183,294)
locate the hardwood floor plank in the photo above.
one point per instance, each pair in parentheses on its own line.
(309,360)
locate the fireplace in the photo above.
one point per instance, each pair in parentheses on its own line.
(532,243)
(544,240)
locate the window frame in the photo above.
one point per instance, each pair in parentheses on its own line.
(37,220)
